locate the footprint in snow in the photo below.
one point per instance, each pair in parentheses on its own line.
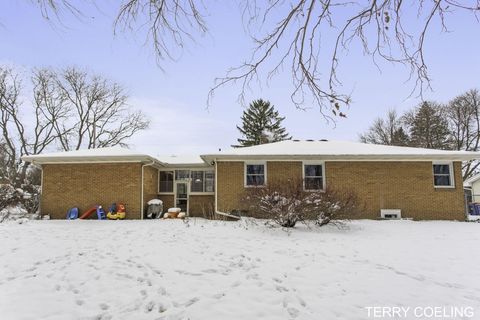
(209,271)
(161,308)
(104,306)
(219,295)
(162,291)
(149,306)
(281,289)
(191,301)
(293,312)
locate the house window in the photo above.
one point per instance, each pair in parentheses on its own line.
(313,176)
(442,175)
(209,181)
(255,174)
(202,181)
(182,174)
(165,181)
(197,181)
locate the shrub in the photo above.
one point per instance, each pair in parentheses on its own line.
(17,203)
(286,203)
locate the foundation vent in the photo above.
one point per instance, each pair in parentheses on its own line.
(391,213)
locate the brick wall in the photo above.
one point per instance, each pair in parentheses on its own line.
(84,185)
(398,185)
(150,185)
(199,203)
(168,201)
(230,185)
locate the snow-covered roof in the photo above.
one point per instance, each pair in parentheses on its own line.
(182,160)
(471,180)
(115,154)
(284,150)
(338,150)
(90,155)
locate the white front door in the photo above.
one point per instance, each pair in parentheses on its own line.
(181,195)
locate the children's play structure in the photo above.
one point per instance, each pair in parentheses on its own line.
(115,212)
(97,209)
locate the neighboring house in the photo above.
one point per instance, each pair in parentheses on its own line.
(422,183)
(472,188)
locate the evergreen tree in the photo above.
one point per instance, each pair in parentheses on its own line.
(261,123)
(428,127)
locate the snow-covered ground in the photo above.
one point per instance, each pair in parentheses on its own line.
(234,270)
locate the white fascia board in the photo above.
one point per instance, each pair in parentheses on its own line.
(377,158)
(39,160)
(188,165)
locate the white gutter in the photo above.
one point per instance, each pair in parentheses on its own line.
(216,197)
(348,157)
(141,194)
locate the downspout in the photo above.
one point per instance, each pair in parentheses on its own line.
(216,196)
(141,193)
(41,191)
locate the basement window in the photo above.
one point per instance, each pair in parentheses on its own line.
(443,175)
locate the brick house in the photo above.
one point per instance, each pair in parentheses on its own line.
(422,183)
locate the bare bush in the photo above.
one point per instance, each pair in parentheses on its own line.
(287,202)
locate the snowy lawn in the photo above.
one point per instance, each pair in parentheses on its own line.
(233,270)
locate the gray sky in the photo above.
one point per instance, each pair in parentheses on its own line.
(175,99)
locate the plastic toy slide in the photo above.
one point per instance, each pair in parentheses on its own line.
(72,214)
(98,209)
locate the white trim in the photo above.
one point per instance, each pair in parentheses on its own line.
(344,158)
(319,163)
(158,181)
(201,193)
(245,164)
(452,174)
(141,193)
(85,162)
(187,168)
(216,189)
(41,191)
(187,182)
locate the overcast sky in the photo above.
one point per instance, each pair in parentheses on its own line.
(175,99)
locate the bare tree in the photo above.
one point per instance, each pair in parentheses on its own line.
(54,8)
(389,131)
(293,39)
(463,114)
(169,23)
(308,38)
(16,141)
(99,115)
(69,110)
(299,33)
